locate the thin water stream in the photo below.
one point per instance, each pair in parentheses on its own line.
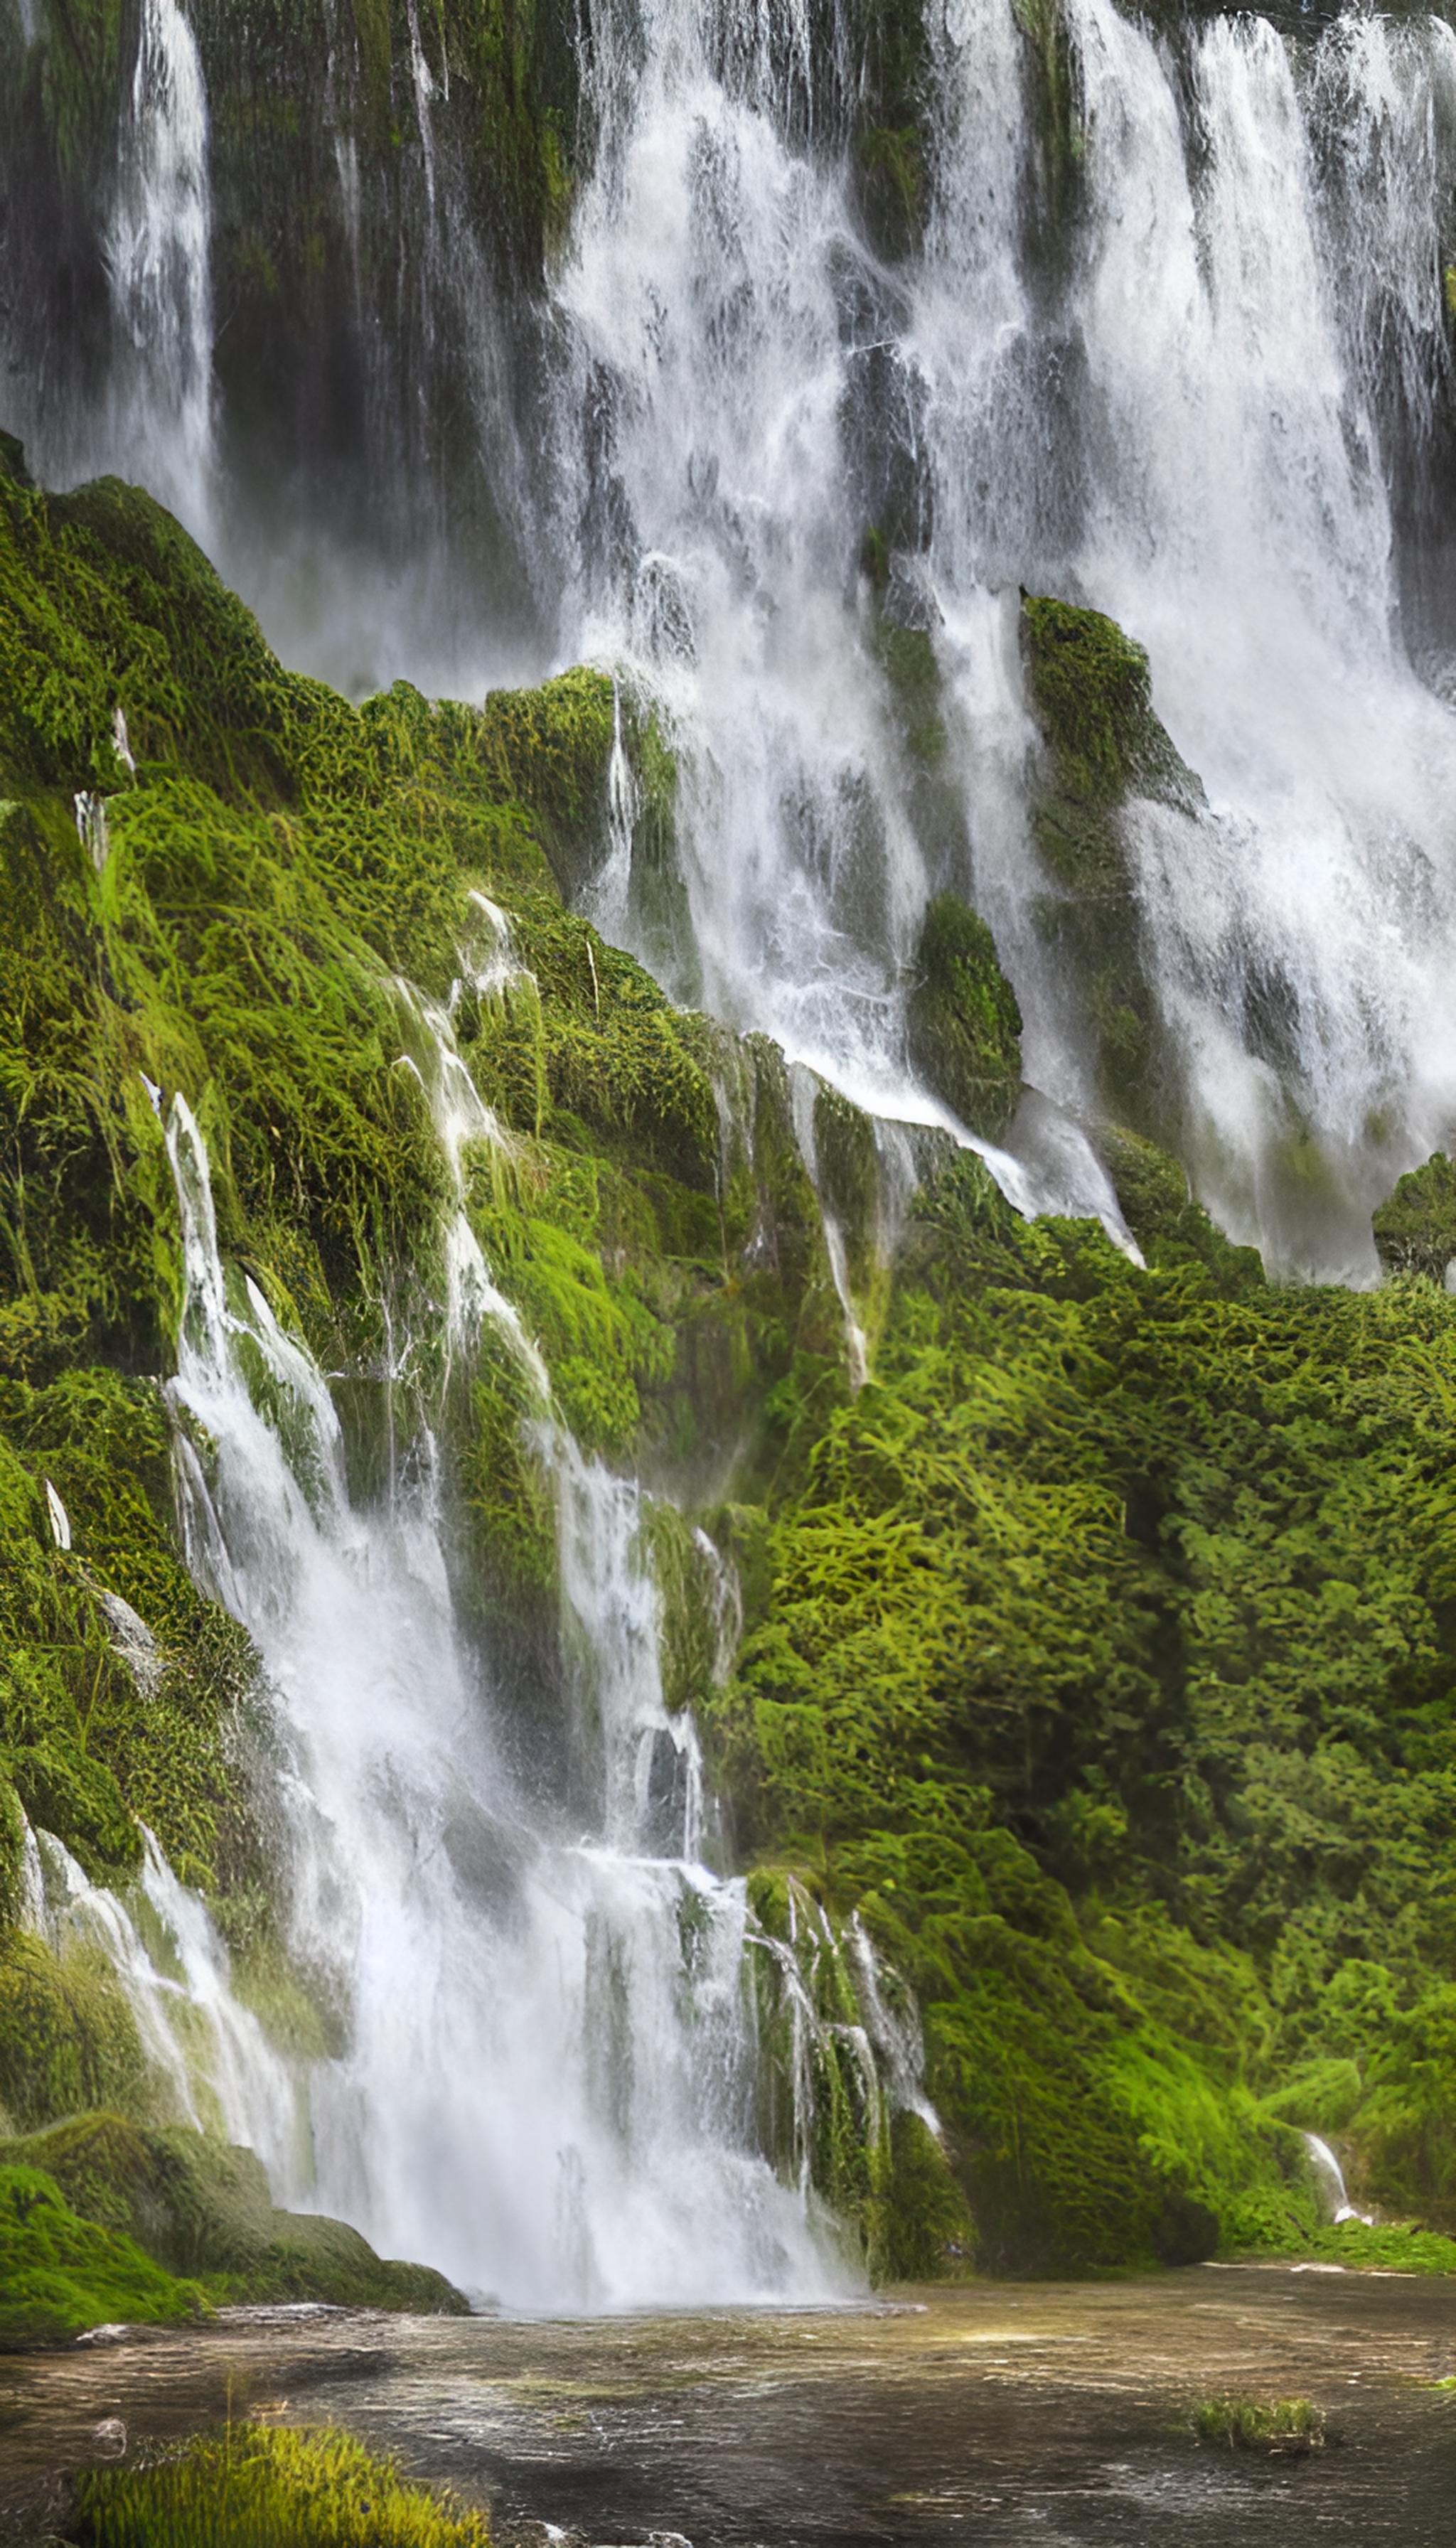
(993,2413)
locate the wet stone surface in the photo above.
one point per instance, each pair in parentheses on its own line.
(996,2413)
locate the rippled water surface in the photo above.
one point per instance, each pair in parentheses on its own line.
(1029,2412)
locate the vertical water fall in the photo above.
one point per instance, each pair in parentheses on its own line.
(159,248)
(547,2086)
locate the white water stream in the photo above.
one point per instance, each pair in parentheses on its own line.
(548,2083)
(158,265)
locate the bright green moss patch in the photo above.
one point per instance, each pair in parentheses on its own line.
(60,2274)
(1102,1649)
(68,2038)
(202,2209)
(254,2487)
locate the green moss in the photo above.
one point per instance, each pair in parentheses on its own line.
(890,125)
(254,2487)
(692,1591)
(1415,1229)
(60,2274)
(1090,692)
(1133,1584)
(552,749)
(68,2038)
(203,2210)
(928,2228)
(963,1021)
(846,1163)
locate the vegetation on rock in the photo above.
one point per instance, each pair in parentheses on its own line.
(1288,2426)
(1100,1653)
(1089,689)
(203,2210)
(60,2274)
(963,1020)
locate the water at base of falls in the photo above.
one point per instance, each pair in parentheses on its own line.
(547,2086)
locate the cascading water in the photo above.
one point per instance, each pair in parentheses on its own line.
(548,2083)
(1189,428)
(1241,314)
(1173,343)
(158,262)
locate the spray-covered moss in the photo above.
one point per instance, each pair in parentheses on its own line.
(963,1022)
(1090,692)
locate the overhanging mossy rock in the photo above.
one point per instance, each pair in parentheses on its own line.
(1415,1229)
(60,2273)
(963,1021)
(551,748)
(1090,692)
(203,2210)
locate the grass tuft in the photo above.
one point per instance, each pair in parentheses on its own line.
(253,2487)
(1290,2426)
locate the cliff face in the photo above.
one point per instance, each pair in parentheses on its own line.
(640,1237)
(1097,1655)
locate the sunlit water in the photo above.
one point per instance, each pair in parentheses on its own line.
(1000,2415)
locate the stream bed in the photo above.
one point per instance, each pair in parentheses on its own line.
(990,2412)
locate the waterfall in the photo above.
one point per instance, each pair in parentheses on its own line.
(548,2082)
(209,2061)
(159,248)
(1173,343)
(1331,2180)
(1189,412)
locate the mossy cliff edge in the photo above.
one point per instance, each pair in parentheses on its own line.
(1099,1652)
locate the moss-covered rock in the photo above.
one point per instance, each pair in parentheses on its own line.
(892,112)
(961,1019)
(1415,1229)
(1159,1209)
(60,2274)
(1089,689)
(68,2038)
(203,2210)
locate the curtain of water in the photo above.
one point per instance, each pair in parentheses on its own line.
(158,265)
(548,2083)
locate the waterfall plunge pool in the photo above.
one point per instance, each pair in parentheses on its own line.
(989,2412)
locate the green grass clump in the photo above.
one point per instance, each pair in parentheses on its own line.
(254,2488)
(1290,2426)
(60,2274)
